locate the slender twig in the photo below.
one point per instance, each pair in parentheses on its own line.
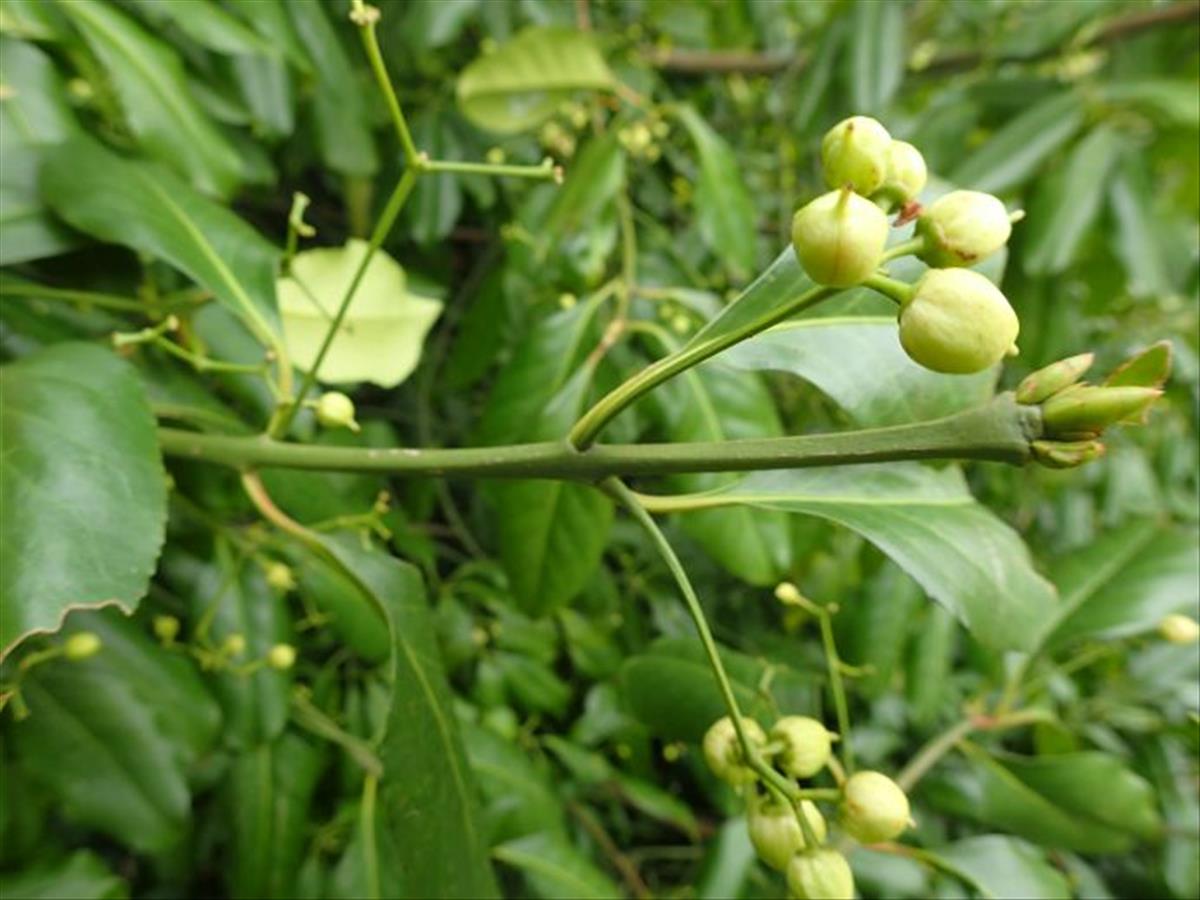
(1000,431)
(628,871)
(309,717)
(943,743)
(837,687)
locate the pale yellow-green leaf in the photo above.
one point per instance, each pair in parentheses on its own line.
(380,337)
(525,80)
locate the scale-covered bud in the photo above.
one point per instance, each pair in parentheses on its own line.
(336,410)
(1179,629)
(839,238)
(1044,383)
(776,834)
(1088,409)
(806,745)
(957,322)
(1066,454)
(961,228)
(820,875)
(854,153)
(874,808)
(723,752)
(81,645)
(906,172)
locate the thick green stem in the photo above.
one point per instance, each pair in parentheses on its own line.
(589,426)
(1000,431)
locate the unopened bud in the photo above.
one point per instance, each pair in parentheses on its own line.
(166,628)
(806,745)
(906,172)
(1066,454)
(1045,383)
(280,577)
(874,808)
(1179,629)
(1089,410)
(81,645)
(723,751)
(788,594)
(957,322)
(281,656)
(961,228)
(776,834)
(820,874)
(854,152)
(336,410)
(234,645)
(839,238)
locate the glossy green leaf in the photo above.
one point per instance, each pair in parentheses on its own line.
(595,177)
(1173,100)
(1006,867)
(1147,368)
(343,120)
(927,522)
(1126,581)
(269,791)
(725,213)
(81,876)
(714,403)
(149,210)
(727,863)
(35,113)
(429,820)
(930,661)
(518,796)
(149,80)
(209,25)
(83,488)
(874,629)
(877,55)
(1017,149)
(524,81)
(1066,206)
(780,282)
(99,748)
(270,19)
(890,390)
(1133,240)
(380,338)
(554,868)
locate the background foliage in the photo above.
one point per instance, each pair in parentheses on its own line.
(518,667)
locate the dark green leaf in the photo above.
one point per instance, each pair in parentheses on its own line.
(518,797)
(877,55)
(82,876)
(208,25)
(149,80)
(83,488)
(553,868)
(728,862)
(1133,239)
(1006,867)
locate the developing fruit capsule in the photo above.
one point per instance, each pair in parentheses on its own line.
(906,172)
(839,238)
(805,745)
(854,152)
(957,322)
(1179,629)
(776,833)
(874,808)
(820,875)
(723,753)
(336,410)
(961,228)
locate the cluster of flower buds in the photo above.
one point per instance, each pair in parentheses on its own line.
(952,320)
(788,834)
(1075,413)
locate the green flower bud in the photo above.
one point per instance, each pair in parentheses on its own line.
(839,238)
(957,322)
(234,645)
(820,875)
(1089,410)
(166,628)
(874,808)
(906,172)
(1055,377)
(723,752)
(776,834)
(281,657)
(805,745)
(336,410)
(81,645)
(1066,454)
(854,153)
(961,228)
(1179,629)
(280,577)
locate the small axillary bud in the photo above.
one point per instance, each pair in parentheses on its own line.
(854,153)
(839,238)
(1088,410)
(961,228)
(1066,454)
(281,657)
(1045,383)
(336,410)
(82,645)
